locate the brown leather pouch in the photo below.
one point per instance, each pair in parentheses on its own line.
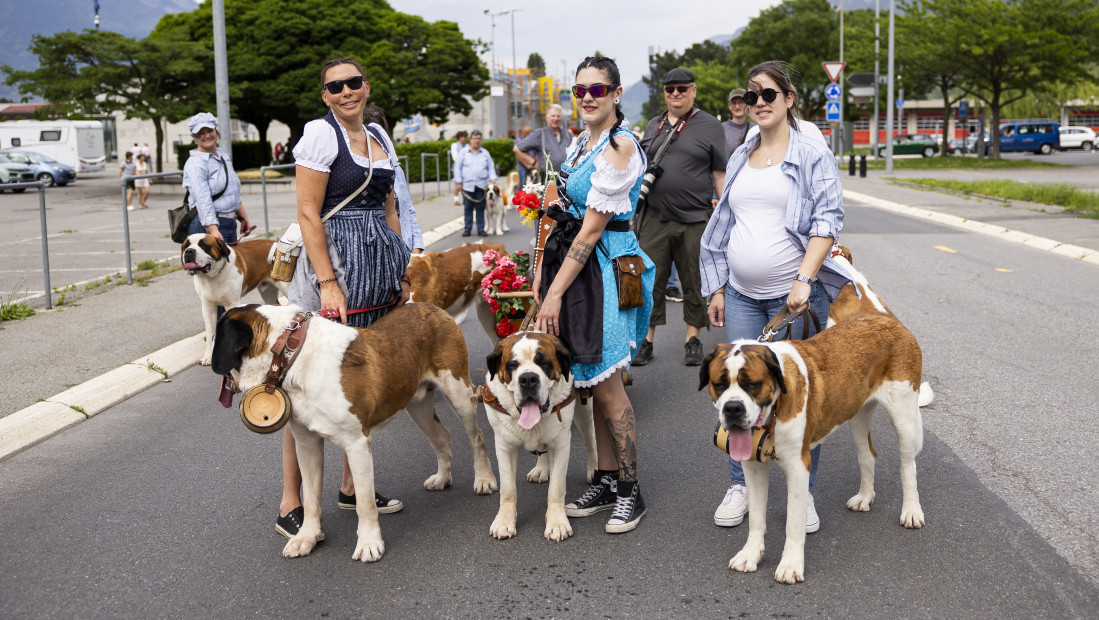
(627,273)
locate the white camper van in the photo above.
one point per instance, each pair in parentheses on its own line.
(76,143)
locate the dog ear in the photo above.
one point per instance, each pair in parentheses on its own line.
(564,359)
(704,370)
(223,248)
(492,362)
(231,339)
(771,360)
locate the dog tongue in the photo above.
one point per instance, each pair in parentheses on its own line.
(529,415)
(740,444)
(190,266)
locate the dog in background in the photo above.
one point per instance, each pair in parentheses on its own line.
(451,280)
(496,208)
(513,183)
(802,391)
(531,404)
(345,384)
(224,273)
(848,304)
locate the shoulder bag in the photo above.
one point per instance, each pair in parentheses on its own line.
(179,218)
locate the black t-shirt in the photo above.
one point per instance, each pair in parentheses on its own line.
(684,192)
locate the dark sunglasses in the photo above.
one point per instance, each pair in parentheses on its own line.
(682,88)
(596,90)
(336,86)
(768,95)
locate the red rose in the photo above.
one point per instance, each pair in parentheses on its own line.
(505,328)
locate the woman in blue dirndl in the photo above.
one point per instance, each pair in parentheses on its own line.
(577,290)
(354,260)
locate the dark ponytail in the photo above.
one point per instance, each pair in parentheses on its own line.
(610,71)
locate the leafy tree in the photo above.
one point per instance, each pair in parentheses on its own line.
(704,53)
(803,33)
(160,77)
(537,65)
(713,80)
(276,49)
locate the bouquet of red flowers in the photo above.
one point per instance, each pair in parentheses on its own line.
(506,277)
(529,200)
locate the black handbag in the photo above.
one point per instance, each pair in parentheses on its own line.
(179,218)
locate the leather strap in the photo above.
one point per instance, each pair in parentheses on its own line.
(785,318)
(286,350)
(485,395)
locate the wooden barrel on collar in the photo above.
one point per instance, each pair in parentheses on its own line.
(263,411)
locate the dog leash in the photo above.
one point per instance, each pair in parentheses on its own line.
(785,318)
(333,314)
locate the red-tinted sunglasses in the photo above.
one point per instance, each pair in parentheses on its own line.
(596,90)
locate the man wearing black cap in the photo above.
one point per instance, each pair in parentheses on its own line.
(736,128)
(691,172)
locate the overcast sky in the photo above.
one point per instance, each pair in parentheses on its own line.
(565,31)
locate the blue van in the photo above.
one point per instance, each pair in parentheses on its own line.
(1036,136)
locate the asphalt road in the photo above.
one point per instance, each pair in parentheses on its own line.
(164,505)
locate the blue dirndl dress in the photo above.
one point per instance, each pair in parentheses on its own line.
(623,330)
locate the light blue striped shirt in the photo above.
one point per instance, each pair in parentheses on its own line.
(474,170)
(814,209)
(204,176)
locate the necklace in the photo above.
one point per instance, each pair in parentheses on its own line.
(769,161)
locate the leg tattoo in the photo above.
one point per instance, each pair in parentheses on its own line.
(623,441)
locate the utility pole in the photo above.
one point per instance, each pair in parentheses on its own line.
(889,95)
(96,4)
(877,81)
(839,126)
(221,78)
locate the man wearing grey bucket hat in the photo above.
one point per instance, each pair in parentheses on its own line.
(212,184)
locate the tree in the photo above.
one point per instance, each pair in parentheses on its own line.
(160,77)
(1015,46)
(706,52)
(536,65)
(276,50)
(713,80)
(803,33)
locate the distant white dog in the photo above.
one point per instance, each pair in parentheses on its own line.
(496,209)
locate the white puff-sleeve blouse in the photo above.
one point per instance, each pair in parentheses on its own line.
(317,148)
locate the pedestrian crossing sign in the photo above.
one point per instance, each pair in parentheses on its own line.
(833,111)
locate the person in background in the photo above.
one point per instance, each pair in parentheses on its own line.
(530,151)
(142,185)
(213,186)
(406,212)
(736,128)
(767,245)
(128,169)
(455,152)
(472,175)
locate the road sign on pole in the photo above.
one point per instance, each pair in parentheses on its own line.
(834,92)
(833,68)
(833,111)
(963,108)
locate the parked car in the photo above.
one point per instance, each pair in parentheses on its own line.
(1077,138)
(11,172)
(1036,136)
(912,144)
(46,169)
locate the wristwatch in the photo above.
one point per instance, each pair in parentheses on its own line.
(805,279)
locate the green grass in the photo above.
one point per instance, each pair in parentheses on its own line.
(1085,203)
(948,163)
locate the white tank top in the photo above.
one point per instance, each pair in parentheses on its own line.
(762,257)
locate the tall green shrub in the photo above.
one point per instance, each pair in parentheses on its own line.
(246,155)
(500,150)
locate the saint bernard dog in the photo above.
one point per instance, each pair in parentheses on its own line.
(531,404)
(803,390)
(208,259)
(451,280)
(849,303)
(496,209)
(345,385)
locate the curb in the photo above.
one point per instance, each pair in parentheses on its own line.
(1067,250)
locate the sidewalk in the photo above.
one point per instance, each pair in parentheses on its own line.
(55,350)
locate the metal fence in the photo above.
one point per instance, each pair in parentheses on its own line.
(45,243)
(126,214)
(263,184)
(423,175)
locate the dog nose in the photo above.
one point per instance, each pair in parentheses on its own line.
(528,380)
(733,409)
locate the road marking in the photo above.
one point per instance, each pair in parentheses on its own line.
(945,249)
(1002,270)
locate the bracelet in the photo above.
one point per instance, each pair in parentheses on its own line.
(325,281)
(805,279)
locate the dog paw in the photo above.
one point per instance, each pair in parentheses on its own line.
(558,530)
(860,502)
(485,486)
(746,561)
(539,474)
(502,528)
(369,550)
(912,518)
(438,482)
(206,360)
(301,545)
(790,570)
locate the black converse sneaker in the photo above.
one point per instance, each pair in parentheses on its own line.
(599,497)
(627,512)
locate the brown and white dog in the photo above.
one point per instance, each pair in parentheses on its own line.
(849,303)
(807,389)
(345,385)
(451,280)
(496,209)
(513,183)
(208,259)
(531,404)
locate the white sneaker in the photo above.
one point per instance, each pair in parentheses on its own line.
(458,200)
(129,207)
(812,521)
(733,508)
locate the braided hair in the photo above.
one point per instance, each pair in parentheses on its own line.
(610,69)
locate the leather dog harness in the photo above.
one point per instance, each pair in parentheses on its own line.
(485,395)
(286,350)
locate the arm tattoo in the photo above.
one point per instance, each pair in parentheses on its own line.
(580,251)
(623,433)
